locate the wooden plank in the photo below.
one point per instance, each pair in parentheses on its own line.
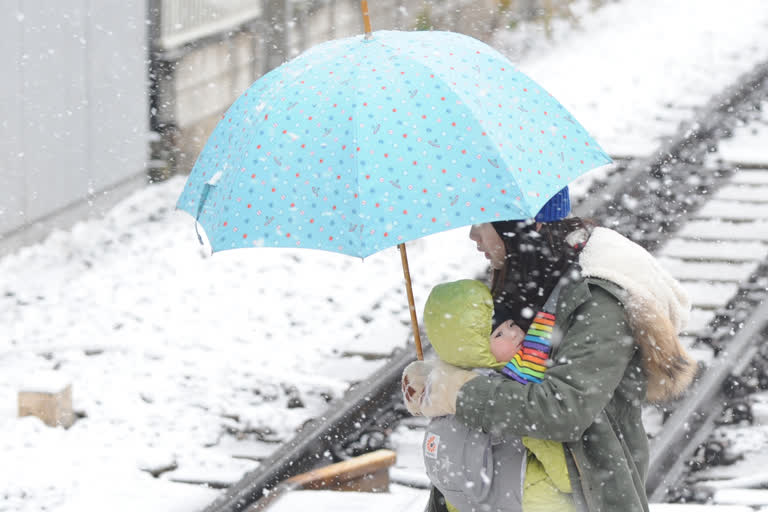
(54,408)
(366,473)
(348,470)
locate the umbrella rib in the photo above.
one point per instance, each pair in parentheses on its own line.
(459,127)
(356,170)
(492,132)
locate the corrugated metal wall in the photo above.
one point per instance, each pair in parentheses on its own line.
(73,106)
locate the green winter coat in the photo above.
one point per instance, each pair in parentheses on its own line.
(590,400)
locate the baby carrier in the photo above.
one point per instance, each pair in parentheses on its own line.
(474,471)
(482,472)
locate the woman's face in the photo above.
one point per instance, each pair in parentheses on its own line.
(489,242)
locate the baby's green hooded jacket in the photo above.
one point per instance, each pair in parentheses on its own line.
(458,319)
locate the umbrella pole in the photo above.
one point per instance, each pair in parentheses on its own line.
(411,306)
(366,18)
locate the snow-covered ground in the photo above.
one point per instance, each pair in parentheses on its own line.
(176,357)
(635,69)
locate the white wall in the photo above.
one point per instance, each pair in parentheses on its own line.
(73,110)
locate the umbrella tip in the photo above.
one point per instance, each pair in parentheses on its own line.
(197,232)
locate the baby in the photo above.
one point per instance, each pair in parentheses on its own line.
(506,341)
(476,470)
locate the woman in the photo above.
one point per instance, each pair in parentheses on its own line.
(614,346)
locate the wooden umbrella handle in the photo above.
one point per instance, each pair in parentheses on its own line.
(411,305)
(366,18)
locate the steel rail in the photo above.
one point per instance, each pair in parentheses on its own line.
(694,415)
(686,428)
(305,451)
(706,124)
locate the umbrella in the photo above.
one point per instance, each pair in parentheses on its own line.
(367,142)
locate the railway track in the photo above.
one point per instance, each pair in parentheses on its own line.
(679,203)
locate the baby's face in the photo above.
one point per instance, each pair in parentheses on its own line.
(506,341)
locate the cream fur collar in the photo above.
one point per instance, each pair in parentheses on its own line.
(615,258)
(657,307)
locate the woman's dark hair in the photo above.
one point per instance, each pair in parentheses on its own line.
(535,261)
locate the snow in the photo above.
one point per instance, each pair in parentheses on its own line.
(751,497)
(752,178)
(639,65)
(167,348)
(699,320)
(747,147)
(179,359)
(710,295)
(741,192)
(753,480)
(726,251)
(409,467)
(733,210)
(45,382)
(715,250)
(400,498)
(720,230)
(658,507)
(687,270)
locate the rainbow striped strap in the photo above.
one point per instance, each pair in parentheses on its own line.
(529,364)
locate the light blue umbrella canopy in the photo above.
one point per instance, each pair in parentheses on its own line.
(361,144)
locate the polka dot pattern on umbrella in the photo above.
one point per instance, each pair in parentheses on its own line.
(356,146)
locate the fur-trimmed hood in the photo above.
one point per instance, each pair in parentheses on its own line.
(657,308)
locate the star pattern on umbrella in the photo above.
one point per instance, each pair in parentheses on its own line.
(356,146)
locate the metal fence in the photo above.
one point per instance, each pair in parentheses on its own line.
(186,21)
(181,22)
